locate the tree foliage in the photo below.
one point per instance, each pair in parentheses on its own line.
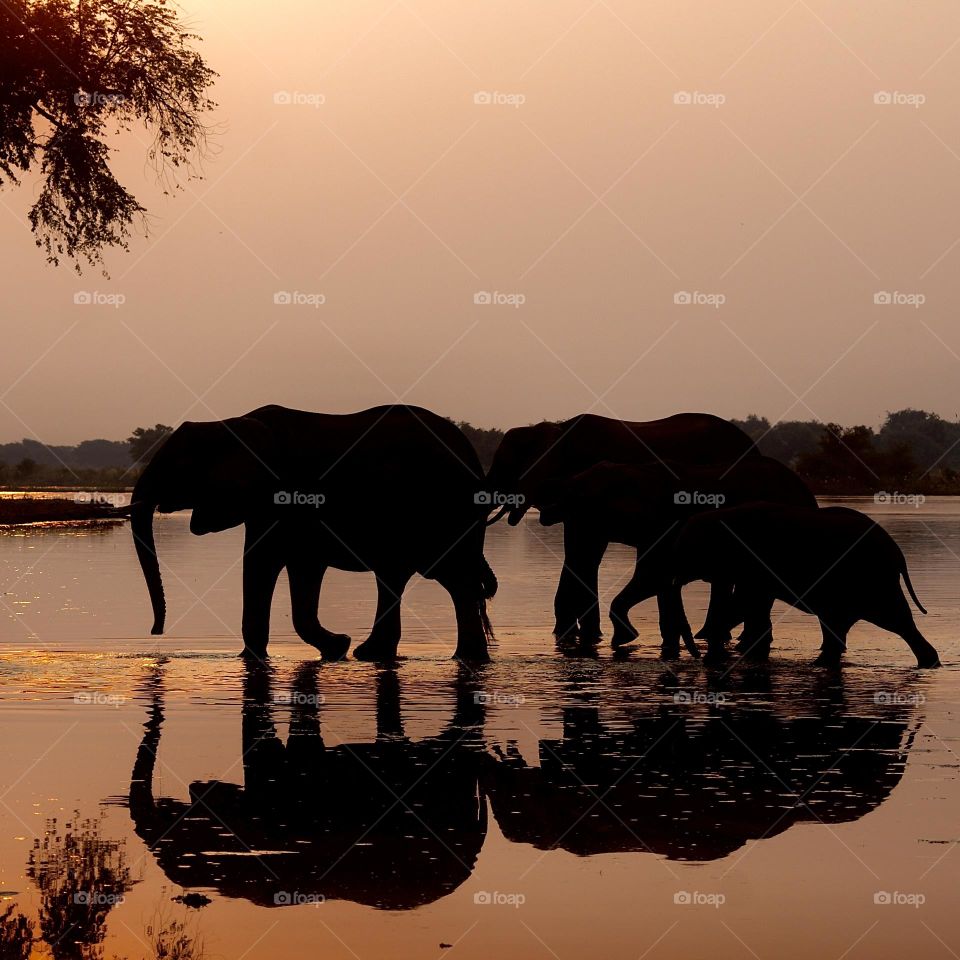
(74,73)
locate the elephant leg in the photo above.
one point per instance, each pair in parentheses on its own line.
(757,626)
(569,589)
(894,614)
(720,618)
(262,562)
(674,626)
(640,587)
(305,583)
(471,628)
(385,635)
(834,632)
(580,594)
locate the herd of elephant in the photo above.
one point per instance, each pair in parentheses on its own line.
(399,490)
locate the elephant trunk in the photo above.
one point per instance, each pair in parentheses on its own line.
(141,523)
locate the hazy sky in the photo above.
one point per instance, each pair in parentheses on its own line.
(581,189)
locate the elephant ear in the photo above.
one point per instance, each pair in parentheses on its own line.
(242,470)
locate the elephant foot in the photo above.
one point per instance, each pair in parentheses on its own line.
(374,649)
(590,636)
(827,659)
(332,646)
(928,663)
(622,635)
(709,634)
(472,655)
(566,634)
(757,654)
(670,651)
(254,654)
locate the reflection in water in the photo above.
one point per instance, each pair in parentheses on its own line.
(16,934)
(393,824)
(694,786)
(81,876)
(397,824)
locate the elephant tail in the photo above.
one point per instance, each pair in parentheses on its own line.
(913,593)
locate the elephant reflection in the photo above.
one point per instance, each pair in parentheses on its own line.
(696,783)
(392,824)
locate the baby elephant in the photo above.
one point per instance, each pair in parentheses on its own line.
(833,562)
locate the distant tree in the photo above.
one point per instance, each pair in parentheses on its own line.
(844,460)
(72,74)
(26,469)
(785,441)
(145,441)
(484,441)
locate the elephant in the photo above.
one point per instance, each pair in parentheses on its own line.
(530,459)
(393,824)
(393,489)
(645,506)
(697,777)
(834,562)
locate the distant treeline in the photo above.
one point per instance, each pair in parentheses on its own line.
(912,452)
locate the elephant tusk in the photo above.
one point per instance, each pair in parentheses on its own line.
(497,516)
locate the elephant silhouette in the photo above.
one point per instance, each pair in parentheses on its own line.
(695,784)
(392,824)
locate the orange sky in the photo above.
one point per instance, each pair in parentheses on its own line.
(582,194)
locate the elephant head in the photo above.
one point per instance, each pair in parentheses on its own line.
(221,470)
(524,462)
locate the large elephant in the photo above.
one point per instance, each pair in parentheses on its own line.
(645,507)
(530,460)
(393,489)
(395,823)
(834,562)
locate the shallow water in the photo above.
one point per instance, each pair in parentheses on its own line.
(539,806)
